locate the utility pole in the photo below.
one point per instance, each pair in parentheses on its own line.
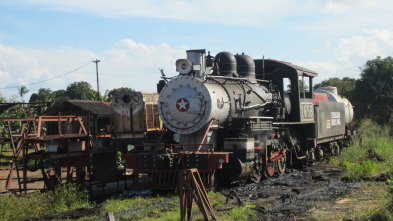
(98,84)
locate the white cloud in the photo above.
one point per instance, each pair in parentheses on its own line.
(125,64)
(27,66)
(357,48)
(352,53)
(332,17)
(249,12)
(324,69)
(337,7)
(136,65)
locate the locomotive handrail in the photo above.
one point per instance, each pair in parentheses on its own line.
(263,118)
(256,106)
(180,147)
(233,78)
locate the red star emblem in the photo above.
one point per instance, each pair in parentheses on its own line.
(182,104)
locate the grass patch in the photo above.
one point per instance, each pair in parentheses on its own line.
(35,205)
(68,197)
(217,200)
(243,213)
(357,161)
(172,211)
(21,208)
(361,204)
(384,212)
(118,205)
(370,154)
(169,211)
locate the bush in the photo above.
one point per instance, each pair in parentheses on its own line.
(68,197)
(366,168)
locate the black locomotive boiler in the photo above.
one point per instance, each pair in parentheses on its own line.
(258,115)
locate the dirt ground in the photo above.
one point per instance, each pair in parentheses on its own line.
(364,199)
(31,185)
(318,192)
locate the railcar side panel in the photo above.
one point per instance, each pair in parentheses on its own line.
(330,119)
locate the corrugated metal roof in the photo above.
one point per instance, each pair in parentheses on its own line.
(99,108)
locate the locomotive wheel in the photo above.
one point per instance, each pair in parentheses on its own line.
(319,152)
(311,155)
(331,149)
(256,174)
(336,149)
(269,169)
(281,165)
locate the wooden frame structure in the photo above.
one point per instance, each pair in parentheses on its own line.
(32,135)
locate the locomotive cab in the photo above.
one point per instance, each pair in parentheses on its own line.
(294,84)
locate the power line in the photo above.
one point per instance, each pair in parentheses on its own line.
(119,75)
(49,78)
(131,76)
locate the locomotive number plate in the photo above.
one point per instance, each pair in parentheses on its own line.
(307,111)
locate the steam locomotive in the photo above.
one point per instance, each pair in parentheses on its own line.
(250,118)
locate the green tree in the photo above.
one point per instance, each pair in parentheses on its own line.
(303,87)
(22,90)
(81,90)
(47,95)
(345,86)
(43,95)
(2,99)
(109,93)
(374,90)
(59,96)
(78,90)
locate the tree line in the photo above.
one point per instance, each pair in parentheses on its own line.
(372,93)
(81,90)
(78,90)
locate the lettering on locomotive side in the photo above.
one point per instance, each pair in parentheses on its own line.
(335,118)
(307,111)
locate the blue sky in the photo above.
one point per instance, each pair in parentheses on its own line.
(43,39)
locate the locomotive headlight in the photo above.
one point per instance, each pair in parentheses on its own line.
(183,66)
